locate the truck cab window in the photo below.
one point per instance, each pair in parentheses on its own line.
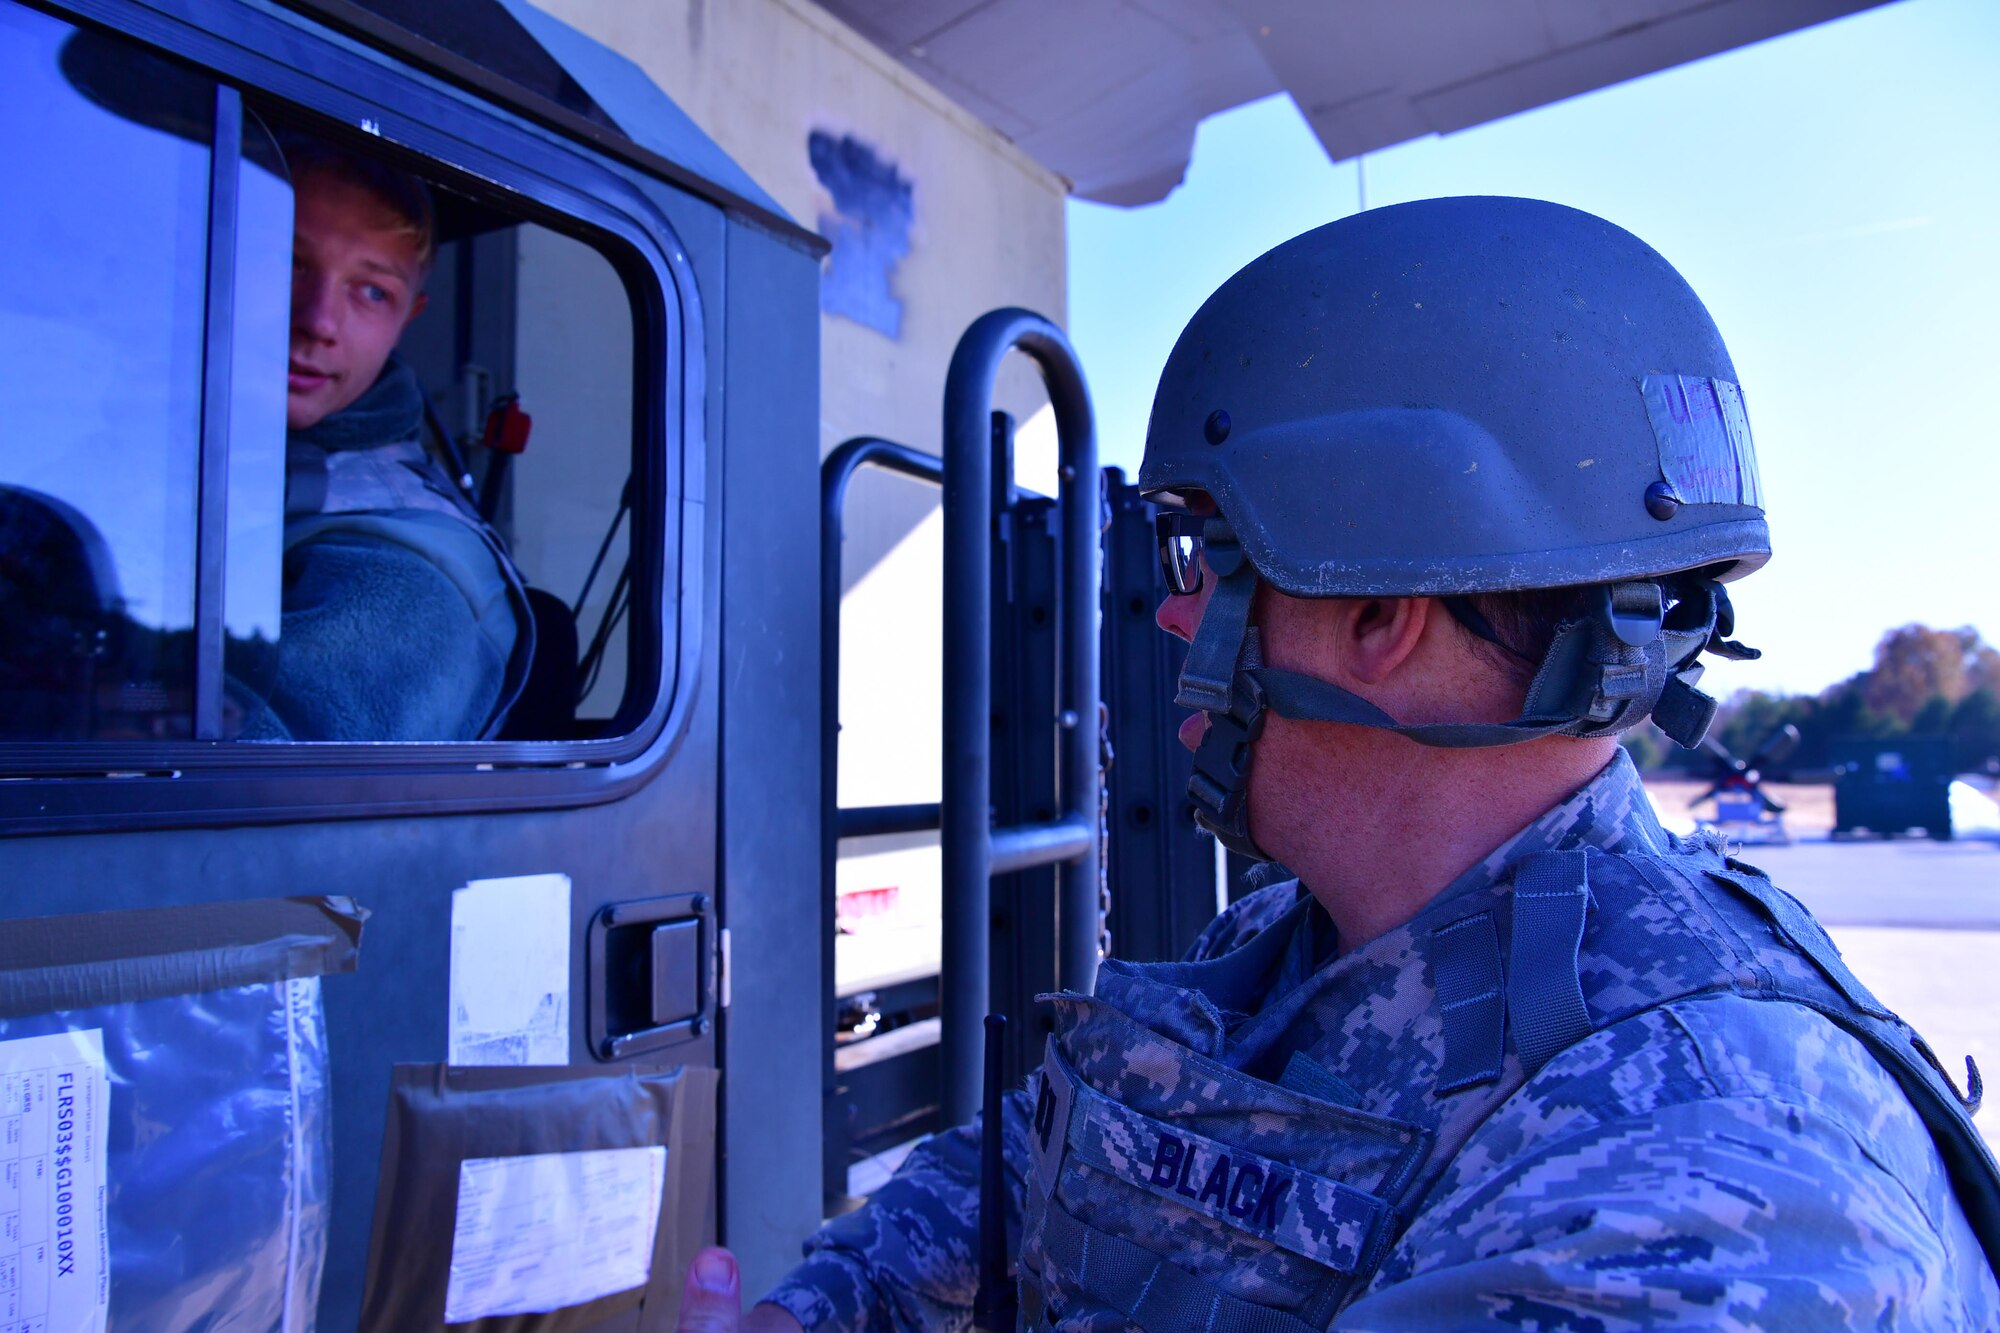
(101,297)
(379,491)
(525,352)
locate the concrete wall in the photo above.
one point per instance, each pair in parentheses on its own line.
(936,219)
(985,224)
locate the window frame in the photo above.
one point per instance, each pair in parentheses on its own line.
(57,786)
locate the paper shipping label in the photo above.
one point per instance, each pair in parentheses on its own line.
(55,1268)
(551,1230)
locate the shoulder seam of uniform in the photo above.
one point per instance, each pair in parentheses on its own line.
(1729,949)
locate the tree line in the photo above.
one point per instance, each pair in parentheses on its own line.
(1925,682)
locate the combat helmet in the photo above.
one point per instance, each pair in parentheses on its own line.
(1447,398)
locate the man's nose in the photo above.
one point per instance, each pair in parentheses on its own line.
(1178,614)
(314,311)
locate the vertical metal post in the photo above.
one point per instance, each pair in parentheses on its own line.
(966,833)
(993,1303)
(212,517)
(1080,513)
(835,474)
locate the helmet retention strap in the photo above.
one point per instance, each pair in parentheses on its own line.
(1208,676)
(1219,678)
(1604,673)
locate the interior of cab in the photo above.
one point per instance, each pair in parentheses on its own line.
(526,357)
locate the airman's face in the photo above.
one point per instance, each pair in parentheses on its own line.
(357,281)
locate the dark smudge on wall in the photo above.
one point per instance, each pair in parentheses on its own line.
(869,227)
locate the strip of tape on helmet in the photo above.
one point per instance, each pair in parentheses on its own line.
(1704,438)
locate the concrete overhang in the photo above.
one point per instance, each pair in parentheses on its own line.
(1107,93)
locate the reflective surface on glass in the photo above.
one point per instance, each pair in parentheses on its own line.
(574,374)
(101,291)
(1180,550)
(260,328)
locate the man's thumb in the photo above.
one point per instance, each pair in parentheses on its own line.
(712,1299)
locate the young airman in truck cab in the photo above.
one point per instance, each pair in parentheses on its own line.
(403,616)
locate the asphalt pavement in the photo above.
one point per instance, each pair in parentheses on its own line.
(1896,882)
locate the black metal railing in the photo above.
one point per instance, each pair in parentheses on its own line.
(973,850)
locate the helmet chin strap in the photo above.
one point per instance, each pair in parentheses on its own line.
(1219,678)
(1220,783)
(1631,658)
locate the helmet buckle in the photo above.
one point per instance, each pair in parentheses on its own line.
(1624,682)
(1631,611)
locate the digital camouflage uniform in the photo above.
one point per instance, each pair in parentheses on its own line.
(1353,1141)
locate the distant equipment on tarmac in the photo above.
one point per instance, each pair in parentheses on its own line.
(1890,787)
(1974,813)
(1744,811)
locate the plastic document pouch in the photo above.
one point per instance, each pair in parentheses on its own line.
(163,1115)
(539,1200)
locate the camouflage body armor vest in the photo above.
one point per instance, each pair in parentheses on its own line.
(1171,1190)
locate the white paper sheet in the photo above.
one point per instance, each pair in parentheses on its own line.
(510,972)
(55,1271)
(551,1230)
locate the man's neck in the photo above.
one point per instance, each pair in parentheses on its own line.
(390,411)
(1378,840)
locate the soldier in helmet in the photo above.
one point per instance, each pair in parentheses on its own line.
(1453,490)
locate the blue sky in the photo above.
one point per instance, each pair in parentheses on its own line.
(1833,194)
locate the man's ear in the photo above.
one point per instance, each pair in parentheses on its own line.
(417,307)
(1378,634)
